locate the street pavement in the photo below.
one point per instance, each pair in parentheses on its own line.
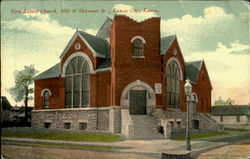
(236,151)
(152,148)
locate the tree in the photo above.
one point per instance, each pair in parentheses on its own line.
(221,102)
(21,90)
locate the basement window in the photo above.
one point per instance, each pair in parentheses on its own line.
(178,124)
(66,125)
(238,118)
(82,126)
(172,124)
(47,125)
(221,118)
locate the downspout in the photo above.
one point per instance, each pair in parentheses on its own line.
(96,102)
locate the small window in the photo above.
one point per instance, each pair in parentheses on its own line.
(46,95)
(138,47)
(82,126)
(221,118)
(178,124)
(195,124)
(238,118)
(47,125)
(66,126)
(172,124)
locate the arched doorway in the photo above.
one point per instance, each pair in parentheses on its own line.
(139,98)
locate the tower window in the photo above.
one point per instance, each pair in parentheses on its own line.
(138,47)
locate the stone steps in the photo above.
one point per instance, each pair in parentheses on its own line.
(145,127)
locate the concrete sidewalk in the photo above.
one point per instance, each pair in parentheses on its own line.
(133,146)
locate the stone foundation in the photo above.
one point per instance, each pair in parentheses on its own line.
(90,119)
(117,119)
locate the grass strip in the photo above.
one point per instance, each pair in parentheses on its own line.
(59,134)
(201,145)
(71,146)
(201,136)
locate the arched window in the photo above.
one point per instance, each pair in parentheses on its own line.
(77,83)
(138,47)
(46,95)
(173,85)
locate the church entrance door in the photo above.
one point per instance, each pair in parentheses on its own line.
(137,102)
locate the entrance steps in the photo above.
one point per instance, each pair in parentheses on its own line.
(143,127)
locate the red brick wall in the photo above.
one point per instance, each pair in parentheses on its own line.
(103,89)
(203,90)
(169,54)
(57,89)
(84,49)
(100,89)
(129,69)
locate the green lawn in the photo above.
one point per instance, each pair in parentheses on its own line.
(26,132)
(71,146)
(202,135)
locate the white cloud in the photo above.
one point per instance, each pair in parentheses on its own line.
(216,13)
(200,33)
(91,31)
(229,73)
(130,11)
(38,23)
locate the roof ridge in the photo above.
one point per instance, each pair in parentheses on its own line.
(168,36)
(193,61)
(94,36)
(106,20)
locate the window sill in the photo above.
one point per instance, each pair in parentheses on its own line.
(138,57)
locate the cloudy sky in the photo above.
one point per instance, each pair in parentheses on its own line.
(217,32)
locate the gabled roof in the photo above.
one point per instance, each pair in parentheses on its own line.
(230,110)
(98,46)
(52,72)
(104,31)
(166,43)
(192,70)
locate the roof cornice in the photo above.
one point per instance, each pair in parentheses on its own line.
(95,54)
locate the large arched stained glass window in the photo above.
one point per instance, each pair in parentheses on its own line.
(173,85)
(77,83)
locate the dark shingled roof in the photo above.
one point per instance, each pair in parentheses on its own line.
(166,42)
(52,72)
(105,63)
(5,103)
(104,31)
(100,45)
(230,110)
(193,70)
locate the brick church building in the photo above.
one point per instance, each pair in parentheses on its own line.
(125,79)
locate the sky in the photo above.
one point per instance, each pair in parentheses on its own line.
(36,32)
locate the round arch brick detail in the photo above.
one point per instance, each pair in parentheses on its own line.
(139,85)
